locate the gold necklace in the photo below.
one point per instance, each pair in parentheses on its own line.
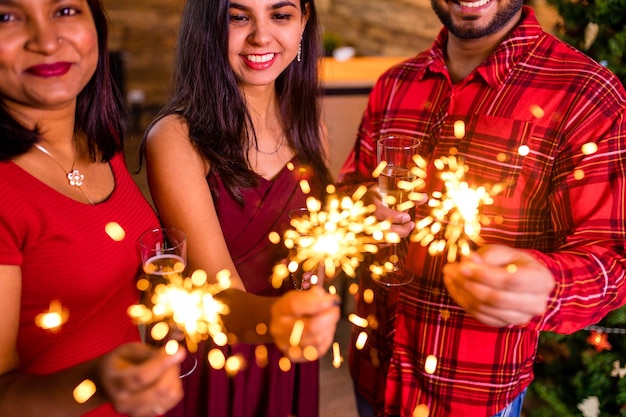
(280,145)
(74,177)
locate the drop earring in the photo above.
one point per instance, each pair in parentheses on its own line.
(299,56)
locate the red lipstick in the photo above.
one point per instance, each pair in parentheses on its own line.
(49,70)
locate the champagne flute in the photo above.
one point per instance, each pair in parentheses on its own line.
(164,259)
(163,254)
(397,152)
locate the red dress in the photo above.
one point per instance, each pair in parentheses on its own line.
(65,254)
(256,391)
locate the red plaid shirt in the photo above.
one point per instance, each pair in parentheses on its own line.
(536,91)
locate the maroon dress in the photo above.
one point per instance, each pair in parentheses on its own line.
(257,391)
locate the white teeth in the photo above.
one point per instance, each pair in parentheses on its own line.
(260,58)
(474,3)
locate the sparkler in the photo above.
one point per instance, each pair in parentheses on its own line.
(455,220)
(186,305)
(331,236)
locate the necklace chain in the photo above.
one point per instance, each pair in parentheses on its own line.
(275,151)
(74,177)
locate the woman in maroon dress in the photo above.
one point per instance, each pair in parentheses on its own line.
(225,159)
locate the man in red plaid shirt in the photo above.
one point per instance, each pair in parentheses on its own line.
(548,123)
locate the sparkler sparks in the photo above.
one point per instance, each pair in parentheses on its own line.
(54,318)
(84,391)
(186,305)
(337,358)
(456,219)
(331,236)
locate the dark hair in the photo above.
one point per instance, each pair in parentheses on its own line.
(100,111)
(206,94)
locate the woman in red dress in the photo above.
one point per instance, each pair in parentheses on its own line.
(62,180)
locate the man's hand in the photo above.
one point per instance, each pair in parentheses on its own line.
(401,222)
(499,285)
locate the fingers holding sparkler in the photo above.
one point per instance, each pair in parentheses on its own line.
(500,285)
(135,376)
(303,323)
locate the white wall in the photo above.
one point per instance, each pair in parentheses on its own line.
(342,115)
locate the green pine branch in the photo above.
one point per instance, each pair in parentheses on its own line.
(609,37)
(569,369)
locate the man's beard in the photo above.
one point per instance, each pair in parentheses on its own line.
(502,17)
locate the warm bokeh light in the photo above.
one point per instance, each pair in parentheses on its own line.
(54,318)
(358,321)
(337,358)
(216,359)
(115,231)
(234,364)
(84,391)
(459,129)
(296,333)
(421,410)
(361,340)
(171,347)
(537,111)
(261,356)
(284,364)
(589,148)
(431,364)
(523,150)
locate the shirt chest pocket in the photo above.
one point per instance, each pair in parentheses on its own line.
(492,148)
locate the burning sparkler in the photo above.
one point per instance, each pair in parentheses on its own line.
(456,219)
(334,235)
(186,305)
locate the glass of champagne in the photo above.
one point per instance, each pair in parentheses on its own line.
(163,254)
(397,152)
(164,259)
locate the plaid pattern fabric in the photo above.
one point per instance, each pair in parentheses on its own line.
(565,207)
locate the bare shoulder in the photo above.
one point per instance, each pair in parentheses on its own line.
(168,130)
(168,143)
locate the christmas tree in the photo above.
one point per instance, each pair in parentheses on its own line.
(584,374)
(596,27)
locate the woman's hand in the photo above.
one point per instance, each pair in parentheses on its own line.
(140,380)
(316,312)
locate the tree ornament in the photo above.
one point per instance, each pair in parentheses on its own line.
(600,341)
(618,371)
(590,407)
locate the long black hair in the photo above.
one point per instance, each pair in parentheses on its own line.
(100,110)
(207,95)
